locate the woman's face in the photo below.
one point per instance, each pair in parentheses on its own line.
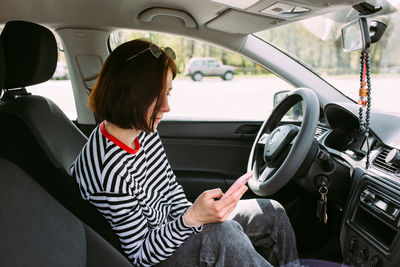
(164,106)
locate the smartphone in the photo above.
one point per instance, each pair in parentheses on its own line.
(238,183)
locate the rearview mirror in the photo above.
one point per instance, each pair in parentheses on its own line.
(355,35)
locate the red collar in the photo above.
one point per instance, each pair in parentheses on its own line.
(118,142)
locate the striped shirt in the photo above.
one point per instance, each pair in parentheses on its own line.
(136,191)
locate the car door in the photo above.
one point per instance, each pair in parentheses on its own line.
(212,67)
(207,154)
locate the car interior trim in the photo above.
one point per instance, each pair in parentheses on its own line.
(149,14)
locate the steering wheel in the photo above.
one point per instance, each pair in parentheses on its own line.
(278,152)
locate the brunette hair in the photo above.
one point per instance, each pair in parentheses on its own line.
(127,85)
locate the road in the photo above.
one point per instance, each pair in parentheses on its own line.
(244,98)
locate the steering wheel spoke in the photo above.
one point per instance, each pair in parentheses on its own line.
(294,140)
(263,139)
(266,173)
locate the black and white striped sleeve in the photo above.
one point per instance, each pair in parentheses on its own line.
(143,245)
(177,196)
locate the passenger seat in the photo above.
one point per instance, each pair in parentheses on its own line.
(35,230)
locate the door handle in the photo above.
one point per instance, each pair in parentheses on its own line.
(247,131)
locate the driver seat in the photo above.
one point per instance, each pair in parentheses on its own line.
(36,135)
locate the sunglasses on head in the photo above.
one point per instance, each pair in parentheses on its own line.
(156,52)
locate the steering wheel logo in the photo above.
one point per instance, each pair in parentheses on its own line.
(274,137)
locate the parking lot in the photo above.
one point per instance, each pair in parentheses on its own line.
(244,98)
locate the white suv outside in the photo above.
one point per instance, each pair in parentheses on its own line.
(61,72)
(208,66)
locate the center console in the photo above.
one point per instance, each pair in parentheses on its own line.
(371,231)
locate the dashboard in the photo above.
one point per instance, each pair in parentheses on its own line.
(346,135)
(370,229)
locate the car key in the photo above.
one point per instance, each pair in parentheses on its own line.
(325,213)
(320,208)
(322,205)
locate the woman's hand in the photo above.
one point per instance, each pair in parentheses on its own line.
(208,210)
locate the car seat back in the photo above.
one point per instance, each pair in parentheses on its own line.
(36,135)
(35,230)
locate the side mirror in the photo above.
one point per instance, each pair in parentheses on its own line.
(355,35)
(278,96)
(295,113)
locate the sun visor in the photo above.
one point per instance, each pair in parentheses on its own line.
(234,21)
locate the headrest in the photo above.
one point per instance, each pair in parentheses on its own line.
(30,54)
(2,70)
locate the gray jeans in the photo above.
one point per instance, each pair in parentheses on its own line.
(257,233)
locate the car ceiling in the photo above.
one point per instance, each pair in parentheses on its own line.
(208,14)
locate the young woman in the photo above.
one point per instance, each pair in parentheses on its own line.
(124,172)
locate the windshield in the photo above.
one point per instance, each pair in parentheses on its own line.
(316,42)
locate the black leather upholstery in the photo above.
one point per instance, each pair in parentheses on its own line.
(31,56)
(2,70)
(59,138)
(35,230)
(36,135)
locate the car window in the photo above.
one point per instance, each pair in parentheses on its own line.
(237,90)
(317,43)
(212,63)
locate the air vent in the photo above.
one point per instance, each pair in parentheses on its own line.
(320,131)
(380,162)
